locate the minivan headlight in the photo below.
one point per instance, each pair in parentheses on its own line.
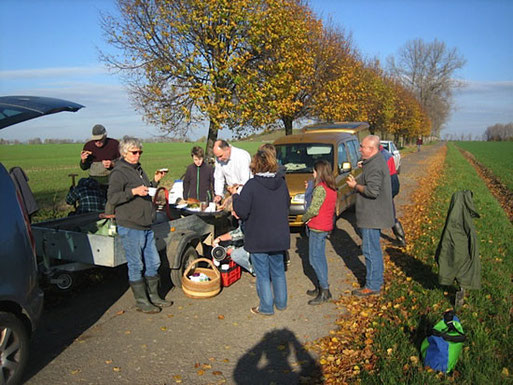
(299,198)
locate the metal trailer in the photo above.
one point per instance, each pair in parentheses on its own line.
(64,246)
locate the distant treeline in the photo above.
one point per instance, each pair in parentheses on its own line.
(499,132)
(158,139)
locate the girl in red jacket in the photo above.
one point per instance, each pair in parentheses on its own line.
(319,219)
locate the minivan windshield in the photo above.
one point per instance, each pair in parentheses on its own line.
(299,158)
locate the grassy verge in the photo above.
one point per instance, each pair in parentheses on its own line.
(378,340)
(414,299)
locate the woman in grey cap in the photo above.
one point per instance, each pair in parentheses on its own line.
(128,194)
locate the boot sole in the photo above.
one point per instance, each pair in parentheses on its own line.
(148,311)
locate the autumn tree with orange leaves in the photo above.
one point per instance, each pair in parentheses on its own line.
(243,64)
(185,61)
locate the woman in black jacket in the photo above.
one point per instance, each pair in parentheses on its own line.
(263,206)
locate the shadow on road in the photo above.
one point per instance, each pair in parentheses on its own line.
(413,268)
(302,251)
(347,249)
(279,358)
(67,315)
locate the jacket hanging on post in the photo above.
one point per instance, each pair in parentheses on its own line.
(458,251)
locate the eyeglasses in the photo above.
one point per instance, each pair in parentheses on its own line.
(136,152)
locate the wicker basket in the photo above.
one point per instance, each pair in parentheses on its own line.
(205,289)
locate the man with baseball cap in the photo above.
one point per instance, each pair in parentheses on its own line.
(99,154)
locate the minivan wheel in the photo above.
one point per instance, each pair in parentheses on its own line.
(14,348)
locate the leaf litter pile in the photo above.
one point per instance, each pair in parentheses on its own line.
(350,349)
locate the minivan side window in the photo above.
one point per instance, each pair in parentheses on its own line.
(352,145)
(342,154)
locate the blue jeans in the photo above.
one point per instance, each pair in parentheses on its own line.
(371,249)
(317,256)
(270,281)
(241,258)
(140,251)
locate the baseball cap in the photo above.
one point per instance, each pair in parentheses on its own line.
(99,132)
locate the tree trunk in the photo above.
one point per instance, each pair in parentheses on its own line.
(287,122)
(213,130)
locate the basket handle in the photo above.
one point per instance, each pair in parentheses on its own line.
(216,271)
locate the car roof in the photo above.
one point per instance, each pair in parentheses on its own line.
(17,109)
(331,136)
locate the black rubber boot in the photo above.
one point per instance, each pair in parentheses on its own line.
(153,292)
(141,299)
(399,233)
(313,292)
(323,296)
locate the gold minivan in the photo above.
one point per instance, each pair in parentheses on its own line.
(337,143)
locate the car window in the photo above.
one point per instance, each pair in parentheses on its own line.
(392,147)
(354,154)
(342,154)
(385,146)
(300,157)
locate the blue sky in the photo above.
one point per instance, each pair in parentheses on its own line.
(50,48)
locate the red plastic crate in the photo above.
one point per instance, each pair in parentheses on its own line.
(231,275)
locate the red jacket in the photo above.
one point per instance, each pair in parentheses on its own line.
(324,220)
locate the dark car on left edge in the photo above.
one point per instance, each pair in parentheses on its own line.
(21,299)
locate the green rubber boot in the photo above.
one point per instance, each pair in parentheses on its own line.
(141,299)
(153,292)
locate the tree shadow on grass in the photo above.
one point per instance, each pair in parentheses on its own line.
(279,358)
(413,268)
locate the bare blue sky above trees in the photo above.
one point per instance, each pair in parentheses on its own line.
(50,48)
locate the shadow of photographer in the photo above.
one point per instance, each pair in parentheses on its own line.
(279,358)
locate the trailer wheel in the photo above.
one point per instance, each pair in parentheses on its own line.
(187,257)
(63,281)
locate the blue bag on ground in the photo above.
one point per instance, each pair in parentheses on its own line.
(440,350)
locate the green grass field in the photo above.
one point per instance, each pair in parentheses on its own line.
(486,316)
(48,166)
(496,156)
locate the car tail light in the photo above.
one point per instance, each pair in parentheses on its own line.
(27,224)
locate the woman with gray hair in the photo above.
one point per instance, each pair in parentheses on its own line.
(128,193)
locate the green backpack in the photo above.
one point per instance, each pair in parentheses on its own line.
(440,350)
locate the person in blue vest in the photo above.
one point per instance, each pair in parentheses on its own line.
(319,219)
